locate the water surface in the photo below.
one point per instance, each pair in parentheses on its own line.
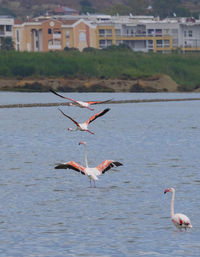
(48,212)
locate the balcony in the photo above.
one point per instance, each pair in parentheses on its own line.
(54,47)
(56,36)
(105,35)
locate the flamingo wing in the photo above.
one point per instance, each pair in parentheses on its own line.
(54,92)
(97,115)
(99,102)
(71,165)
(181,220)
(69,117)
(107,164)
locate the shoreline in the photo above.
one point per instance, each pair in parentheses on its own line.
(111,102)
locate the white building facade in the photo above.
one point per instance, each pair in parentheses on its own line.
(6,27)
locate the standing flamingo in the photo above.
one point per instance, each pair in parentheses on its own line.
(92,173)
(84,126)
(179,220)
(80,103)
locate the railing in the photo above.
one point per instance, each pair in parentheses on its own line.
(142,35)
(56,36)
(54,47)
(105,35)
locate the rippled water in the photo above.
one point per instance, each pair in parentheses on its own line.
(48,212)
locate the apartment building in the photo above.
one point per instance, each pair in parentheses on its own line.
(6,27)
(149,34)
(140,33)
(50,34)
(189,35)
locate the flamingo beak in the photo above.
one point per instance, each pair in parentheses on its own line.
(166,190)
(82,143)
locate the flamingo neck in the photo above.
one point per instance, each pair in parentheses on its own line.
(172,203)
(86,160)
(70,129)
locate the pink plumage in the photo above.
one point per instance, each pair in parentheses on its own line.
(180,220)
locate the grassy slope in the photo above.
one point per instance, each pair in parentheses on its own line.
(184,69)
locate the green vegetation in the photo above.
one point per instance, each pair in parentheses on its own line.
(114,63)
(7,43)
(162,8)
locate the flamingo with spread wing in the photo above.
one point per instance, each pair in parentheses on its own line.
(92,173)
(80,104)
(84,126)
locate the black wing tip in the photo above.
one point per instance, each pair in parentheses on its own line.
(61,111)
(118,164)
(108,100)
(107,109)
(52,91)
(59,166)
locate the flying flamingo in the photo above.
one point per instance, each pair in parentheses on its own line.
(92,173)
(84,126)
(80,103)
(179,220)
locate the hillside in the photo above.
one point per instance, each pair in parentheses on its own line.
(163,8)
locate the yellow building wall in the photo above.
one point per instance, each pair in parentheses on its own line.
(54,26)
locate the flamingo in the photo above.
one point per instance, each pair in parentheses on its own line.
(80,103)
(84,126)
(92,173)
(179,220)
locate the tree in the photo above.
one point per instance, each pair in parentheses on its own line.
(165,8)
(7,43)
(86,6)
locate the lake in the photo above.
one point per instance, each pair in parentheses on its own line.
(46,212)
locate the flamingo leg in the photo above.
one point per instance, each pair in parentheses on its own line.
(90,109)
(90,132)
(90,183)
(94,183)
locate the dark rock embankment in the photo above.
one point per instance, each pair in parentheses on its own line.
(110,102)
(157,83)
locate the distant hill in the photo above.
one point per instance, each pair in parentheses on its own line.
(162,8)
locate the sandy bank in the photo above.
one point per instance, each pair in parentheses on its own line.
(157,83)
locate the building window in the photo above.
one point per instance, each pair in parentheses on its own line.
(102,32)
(37,44)
(166,31)
(57,32)
(150,43)
(166,43)
(175,42)
(17,35)
(82,36)
(49,31)
(190,33)
(67,34)
(151,32)
(185,33)
(109,32)
(8,28)
(158,32)
(174,31)
(109,42)
(159,43)
(117,32)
